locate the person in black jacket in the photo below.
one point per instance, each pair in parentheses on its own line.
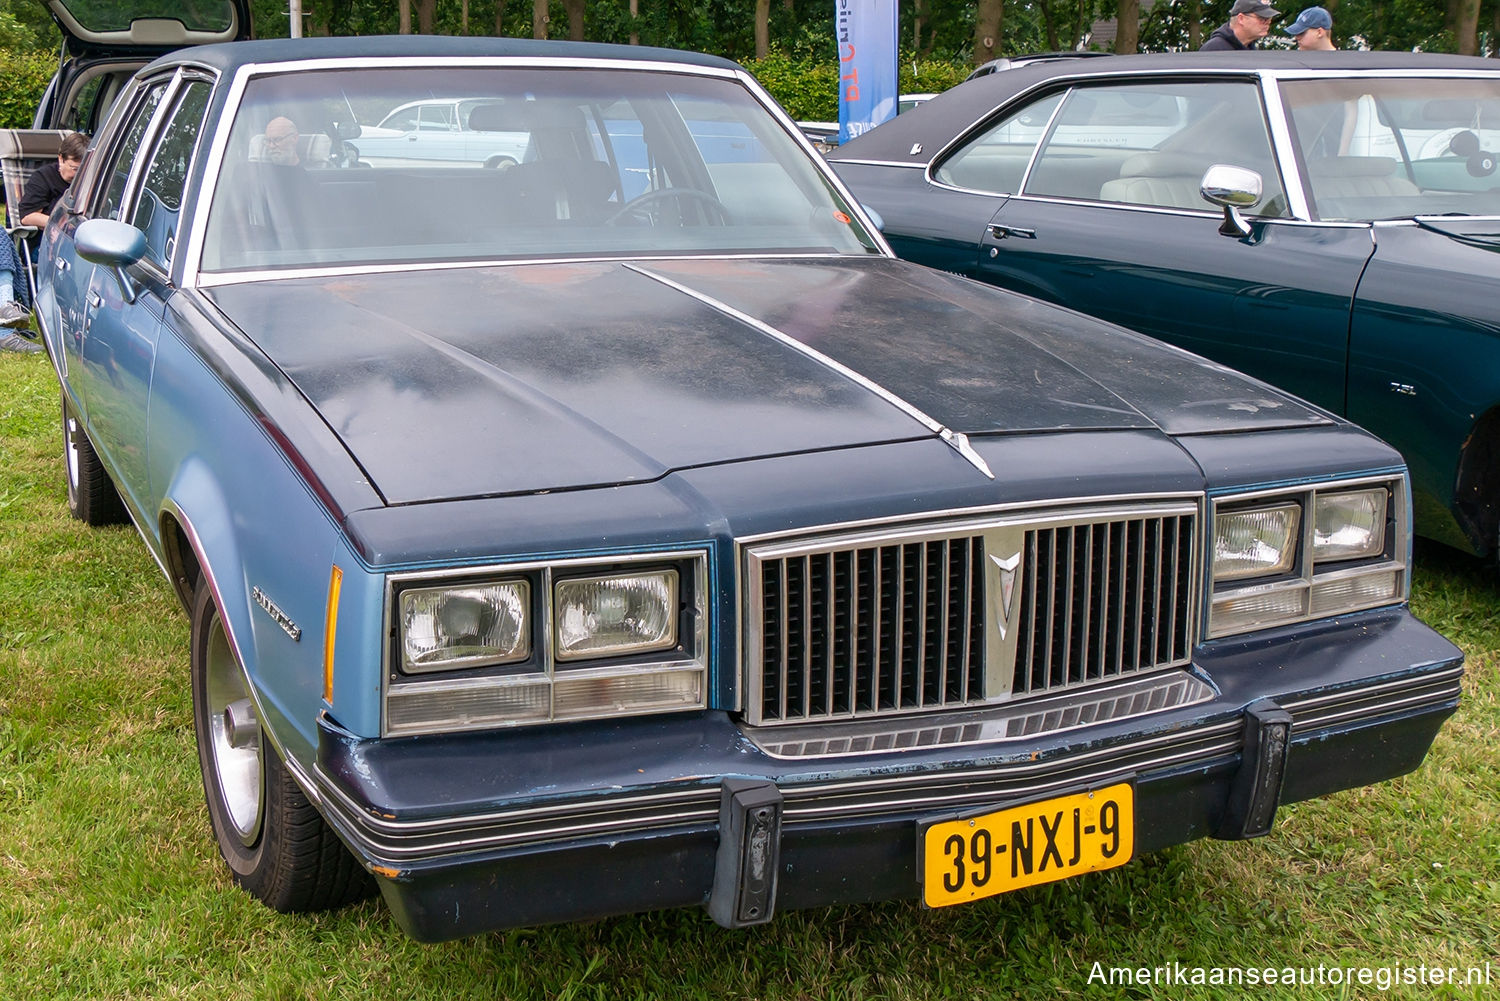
(48,184)
(1249,20)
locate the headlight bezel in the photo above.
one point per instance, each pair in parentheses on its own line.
(677,674)
(1316,586)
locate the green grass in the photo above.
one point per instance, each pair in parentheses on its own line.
(111,887)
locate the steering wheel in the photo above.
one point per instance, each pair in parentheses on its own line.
(641,206)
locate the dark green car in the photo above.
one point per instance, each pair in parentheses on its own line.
(1360,266)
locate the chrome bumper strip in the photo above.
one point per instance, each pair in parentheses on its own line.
(397,842)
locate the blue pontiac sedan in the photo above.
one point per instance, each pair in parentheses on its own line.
(627,528)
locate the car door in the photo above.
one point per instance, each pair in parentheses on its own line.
(1108,219)
(123,310)
(71,291)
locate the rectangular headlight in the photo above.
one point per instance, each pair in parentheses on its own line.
(1349,525)
(1355,534)
(615,615)
(1256,542)
(474,625)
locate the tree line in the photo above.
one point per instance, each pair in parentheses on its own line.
(968,32)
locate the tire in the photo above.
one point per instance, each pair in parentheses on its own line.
(279,848)
(92,497)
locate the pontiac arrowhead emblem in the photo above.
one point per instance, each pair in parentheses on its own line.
(1007,569)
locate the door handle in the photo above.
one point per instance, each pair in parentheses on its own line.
(1003,232)
(95,300)
(60,265)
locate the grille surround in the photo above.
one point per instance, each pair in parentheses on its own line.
(798,672)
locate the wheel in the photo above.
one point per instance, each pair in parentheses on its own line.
(643,206)
(278,846)
(500,162)
(92,497)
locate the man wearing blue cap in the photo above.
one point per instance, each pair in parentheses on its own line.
(1313,30)
(1249,20)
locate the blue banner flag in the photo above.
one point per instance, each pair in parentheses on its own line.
(866,31)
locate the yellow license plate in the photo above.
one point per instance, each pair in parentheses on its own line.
(979,857)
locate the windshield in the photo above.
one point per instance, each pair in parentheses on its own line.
(383,166)
(1398,147)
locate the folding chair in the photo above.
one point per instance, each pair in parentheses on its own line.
(21,152)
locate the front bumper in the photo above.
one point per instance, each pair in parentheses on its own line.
(474,832)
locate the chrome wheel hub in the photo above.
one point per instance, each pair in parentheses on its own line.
(234,738)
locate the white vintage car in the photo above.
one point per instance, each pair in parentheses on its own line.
(443,132)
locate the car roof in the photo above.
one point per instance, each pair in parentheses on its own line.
(933,124)
(232,56)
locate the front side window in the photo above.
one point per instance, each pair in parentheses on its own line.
(1150,143)
(1400,147)
(124,155)
(553,163)
(160,200)
(996,160)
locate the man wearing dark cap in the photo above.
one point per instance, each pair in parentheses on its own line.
(1313,30)
(1249,20)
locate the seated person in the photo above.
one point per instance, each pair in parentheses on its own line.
(48,184)
(280,146)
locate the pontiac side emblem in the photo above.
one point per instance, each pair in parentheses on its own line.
(277,615)
(1007,588)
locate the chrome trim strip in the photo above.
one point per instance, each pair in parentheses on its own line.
(1321,720)
(814,808)
(1294,703)
(222,278)
(956,440)
(917,165)
(1042,716)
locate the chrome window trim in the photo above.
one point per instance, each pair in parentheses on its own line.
(1283,149)
(171,85)
(192,254)
(696,558)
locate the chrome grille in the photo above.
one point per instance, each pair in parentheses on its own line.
(871,629)
(914,618)
(1103,600)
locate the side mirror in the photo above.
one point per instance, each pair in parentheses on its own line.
(114,245)
(1234,188)
(346,130)
(875,217)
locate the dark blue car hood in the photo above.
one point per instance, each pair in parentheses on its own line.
(468,382)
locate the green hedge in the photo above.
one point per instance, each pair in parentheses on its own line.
(809,89)
(25,75)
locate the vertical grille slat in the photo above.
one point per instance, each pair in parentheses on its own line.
(901,624)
